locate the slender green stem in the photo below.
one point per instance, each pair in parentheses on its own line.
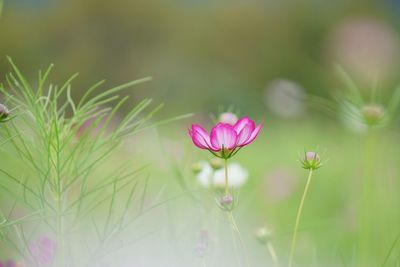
(233,232)
(60,219)
(272,252)
(226,178)
(236,230)
(60,231)
(296,226)
(368,209)
(1,6)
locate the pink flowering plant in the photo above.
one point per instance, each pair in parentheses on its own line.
(225,140)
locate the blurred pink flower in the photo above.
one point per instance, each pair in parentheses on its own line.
(43,251)
(225,139)
(9,263)
(228,117)
(365,47)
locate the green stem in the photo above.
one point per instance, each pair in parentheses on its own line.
(236,230)
(366,208)
(60,234)
(60,223)
(272,252)
(226,178)
(296,226)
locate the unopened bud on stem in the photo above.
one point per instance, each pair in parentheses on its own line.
(4,112)
(263,235)
(311,161)
(373,114)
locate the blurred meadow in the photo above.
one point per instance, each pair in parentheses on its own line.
(98,169)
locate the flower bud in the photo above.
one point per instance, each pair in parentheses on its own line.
(263,235)
(216,163)
(311,161)
(226,203)
(228,117)
(227,200)
(4,112)
(373,114)
(197,168)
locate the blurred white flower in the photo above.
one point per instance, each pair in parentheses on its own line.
(205,176)
(228,117)
(237,176)
(285,98)
(208,177)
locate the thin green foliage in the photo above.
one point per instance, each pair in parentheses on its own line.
(356,107)
(390,252)
(65,148)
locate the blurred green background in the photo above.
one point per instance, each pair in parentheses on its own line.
(204,53)
(261,58)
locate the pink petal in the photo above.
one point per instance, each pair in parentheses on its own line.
(240,124)
(253,135)
(200,137)
(223,135)
(244,135)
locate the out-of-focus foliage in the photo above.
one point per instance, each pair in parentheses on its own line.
(271,59)
(203,53)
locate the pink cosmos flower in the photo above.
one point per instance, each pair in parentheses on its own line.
(225,139)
